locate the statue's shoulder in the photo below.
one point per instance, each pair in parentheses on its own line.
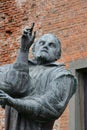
(59,69)
(6,67)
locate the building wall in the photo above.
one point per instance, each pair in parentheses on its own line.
(67,19)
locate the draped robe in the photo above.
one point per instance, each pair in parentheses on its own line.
(42,97)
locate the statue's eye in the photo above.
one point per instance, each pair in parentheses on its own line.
(42,42)
(52,44)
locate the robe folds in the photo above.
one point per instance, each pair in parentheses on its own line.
(41,94)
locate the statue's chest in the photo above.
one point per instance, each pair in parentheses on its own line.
(40,77)
(36,72)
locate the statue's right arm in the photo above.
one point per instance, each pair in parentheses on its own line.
(3,86)
(3,72)
(14,78)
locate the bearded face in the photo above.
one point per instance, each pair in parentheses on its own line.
(47,48)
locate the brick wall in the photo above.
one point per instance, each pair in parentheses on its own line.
(67,19)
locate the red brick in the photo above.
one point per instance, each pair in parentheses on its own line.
(66,19)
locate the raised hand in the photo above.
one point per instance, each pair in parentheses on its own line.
(27,38)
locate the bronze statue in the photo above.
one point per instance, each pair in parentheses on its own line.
(35,92)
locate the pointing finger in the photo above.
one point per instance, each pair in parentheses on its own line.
(31,29)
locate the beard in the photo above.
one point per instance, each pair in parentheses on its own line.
(42,57)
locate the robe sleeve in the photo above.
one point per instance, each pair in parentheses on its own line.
(14,79)
(52,104)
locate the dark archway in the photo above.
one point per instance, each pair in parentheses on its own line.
(78,104)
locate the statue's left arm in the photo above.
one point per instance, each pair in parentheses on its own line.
(49,106)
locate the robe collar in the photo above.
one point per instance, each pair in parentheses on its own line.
(33,62)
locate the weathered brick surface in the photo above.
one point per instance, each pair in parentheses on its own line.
(66,19)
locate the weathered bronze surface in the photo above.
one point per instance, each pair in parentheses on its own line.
(35,92)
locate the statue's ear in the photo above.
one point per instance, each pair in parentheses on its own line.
(58,54)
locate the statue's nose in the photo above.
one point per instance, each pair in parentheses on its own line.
(45,46)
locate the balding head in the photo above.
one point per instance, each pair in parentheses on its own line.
(47,48)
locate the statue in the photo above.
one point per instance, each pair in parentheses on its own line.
(35,92)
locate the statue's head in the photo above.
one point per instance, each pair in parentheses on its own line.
(47,48)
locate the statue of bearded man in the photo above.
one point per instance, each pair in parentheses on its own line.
(35,92)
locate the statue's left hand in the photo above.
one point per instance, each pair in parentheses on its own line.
(27,38)
(4,96)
